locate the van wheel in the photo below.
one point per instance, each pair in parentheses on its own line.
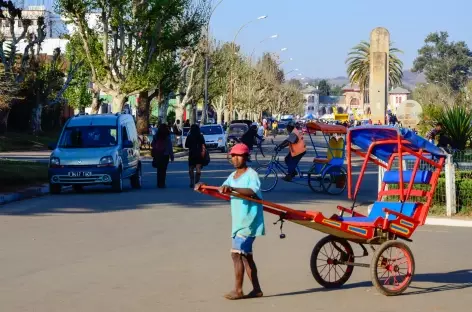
(117,183)
(55,188)
(137,179)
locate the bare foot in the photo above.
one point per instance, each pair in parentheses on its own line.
(233,295)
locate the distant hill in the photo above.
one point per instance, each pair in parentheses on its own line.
(410,79)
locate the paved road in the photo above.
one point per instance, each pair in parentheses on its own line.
(168,250)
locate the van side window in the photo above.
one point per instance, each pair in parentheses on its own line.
(124,134)
(132,133)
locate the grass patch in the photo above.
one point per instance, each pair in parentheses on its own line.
(15,175)
(20,141)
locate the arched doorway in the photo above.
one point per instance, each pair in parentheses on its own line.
(322,111)
(354,103)
(330,110)
(340,110)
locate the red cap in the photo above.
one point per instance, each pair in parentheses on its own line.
(239,149)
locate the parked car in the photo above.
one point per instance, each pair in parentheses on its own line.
(244,121)
(96,149)
(183,138)
(235,132)
(215,137)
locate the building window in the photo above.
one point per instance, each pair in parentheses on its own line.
(20,23)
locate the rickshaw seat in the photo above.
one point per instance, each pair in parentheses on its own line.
(421,177)
(408,209)
(321,160)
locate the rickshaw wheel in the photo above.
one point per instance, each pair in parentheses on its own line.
(334,180)
(314,182)
(266,174)
(325,261)
(392,268)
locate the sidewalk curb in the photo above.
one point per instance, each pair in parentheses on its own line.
(176,155)
(38,191)
(24,194)
(448,222)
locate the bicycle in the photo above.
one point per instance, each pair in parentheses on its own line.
(329,177)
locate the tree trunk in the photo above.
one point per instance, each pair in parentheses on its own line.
(219,116)
(4,113)
(226,114)
(118,103)
(36,118)
(164,109)
(193,113)
(95,102)
(142,113)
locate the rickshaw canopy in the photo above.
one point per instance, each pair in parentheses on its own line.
(364,136)
(325,128)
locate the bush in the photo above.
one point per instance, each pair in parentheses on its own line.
(457,124)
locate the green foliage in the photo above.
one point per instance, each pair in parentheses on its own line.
(145,43)
(457,124)
(359,65)
(444,62)
(438,206)
(336,90)
(324,87)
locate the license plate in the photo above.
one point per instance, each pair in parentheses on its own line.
(79,174)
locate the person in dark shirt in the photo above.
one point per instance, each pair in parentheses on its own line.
(431,135)
(249,138)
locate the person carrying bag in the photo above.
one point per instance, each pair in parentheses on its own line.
(162,151)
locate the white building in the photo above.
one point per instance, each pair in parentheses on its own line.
(312,101)
(55,28)
(396,97)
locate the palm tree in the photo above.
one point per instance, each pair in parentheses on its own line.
(359,66)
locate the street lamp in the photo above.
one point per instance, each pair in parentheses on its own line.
(231,72)
(207,65)
(271,37)
(262,41)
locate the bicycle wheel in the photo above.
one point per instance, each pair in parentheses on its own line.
(334,180)
(314,182)
(268,177)
(263,156)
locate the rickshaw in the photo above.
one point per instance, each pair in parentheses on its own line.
(326,174)
(390,222)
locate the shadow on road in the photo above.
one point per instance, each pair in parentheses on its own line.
(177,194)
(447,281)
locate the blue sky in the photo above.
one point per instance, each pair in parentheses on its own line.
(319,34)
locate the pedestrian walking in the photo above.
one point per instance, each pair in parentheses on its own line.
(195,142)
(162,151)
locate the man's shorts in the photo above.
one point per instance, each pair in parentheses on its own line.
(242,245)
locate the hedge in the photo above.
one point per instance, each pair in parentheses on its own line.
(463,193)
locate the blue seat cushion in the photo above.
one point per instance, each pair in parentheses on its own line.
(407,209)
(421,177)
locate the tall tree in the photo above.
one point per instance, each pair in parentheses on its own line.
(324,87)
(444,62)
(358,68)
(15,66)
(132,43)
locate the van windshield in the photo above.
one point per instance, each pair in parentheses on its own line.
(89,136)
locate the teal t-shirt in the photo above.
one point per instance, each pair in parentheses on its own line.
(247,216)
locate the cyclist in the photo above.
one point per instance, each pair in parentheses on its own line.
(251,136)
(297,149)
